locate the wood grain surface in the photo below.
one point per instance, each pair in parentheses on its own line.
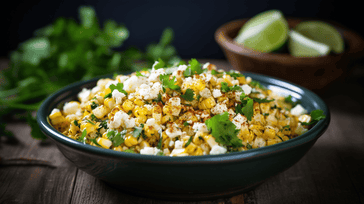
(32,171)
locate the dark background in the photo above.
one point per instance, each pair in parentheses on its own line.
(194,22)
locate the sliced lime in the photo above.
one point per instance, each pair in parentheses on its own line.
(301,46)
(322,32)
(264,32)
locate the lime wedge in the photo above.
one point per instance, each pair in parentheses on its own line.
(264,32)
(301,46)
(322,32)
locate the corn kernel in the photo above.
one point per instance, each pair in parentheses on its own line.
(105,143)
(130,141)
(128,106)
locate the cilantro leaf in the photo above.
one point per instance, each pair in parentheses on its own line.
(224,87)
(158,99)
(36,133)
(262,100)
(139,74)
(185,123)
(129,151)
(109,95)
(248,110)
(119,87)
(248,146)
(138,130)
(169,83)
(82,138)
(189,141)
(289,100)
(159,64)
(94,105)
(117,139)
(95,142)
(257,84)
(193,68)
(234,74)
(224,130)
(188,96)
(316,115)
(159,145)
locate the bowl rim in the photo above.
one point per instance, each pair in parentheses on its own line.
(354,41)
(313,134)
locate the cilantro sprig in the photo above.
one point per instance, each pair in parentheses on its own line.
(188,96)
(116,137)
(223,130)
(119,87)
(316,115)
(289,100)
(226,88)
(193,68)
(167,83)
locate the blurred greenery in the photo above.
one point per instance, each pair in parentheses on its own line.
(67,51)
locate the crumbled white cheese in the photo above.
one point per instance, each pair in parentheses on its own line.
(205,93)
(150,151)
(247,89)
(134,82)
(154,75)
(217,149)
(95,90)
(173,131)
(121,118)
(216,93)
(151,123)
(55,110)
(71,108)
(298,110)
(175,101)
(111,82)
(84,95)
(206,65)
(239,120)
(178,144)
(219,108)
(178,152)
(171,143)
(117,96)
(99,111)
(248,80)
(199,127)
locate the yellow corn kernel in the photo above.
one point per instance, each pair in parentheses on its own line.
(73,129)
(249,137)
(109,103)
(149,131)
(228,79)
(157,117)
(86,113)
(191,148)
(141,119)
(265,107)
(105,143)
(90,128)
(100,111)
(207,103)
(140,112)
(241,80)
(199,85)
(285,138)
(270,133)
(198,138)
(167,110)
(118,148)
(113,111)
(144,144)
(55,114)
(130,141)
(167,118)
(128,106)
(198,152)
(107,91)
(210,140)
(138,102)
(271,141)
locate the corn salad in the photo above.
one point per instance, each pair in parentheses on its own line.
(186,110)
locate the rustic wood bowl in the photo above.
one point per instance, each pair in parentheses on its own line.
(315,73)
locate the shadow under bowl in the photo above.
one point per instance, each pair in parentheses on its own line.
(314,73)
(192,177)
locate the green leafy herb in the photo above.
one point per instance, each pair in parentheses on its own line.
(198,97)
(130,112)
(76,123)
(224,87)
(83,136)
(286,128)
(109,95)
(158,99)
(119,87)
(257,84)
(188,96)
(234,74)
(316,115)
(169,83)
(279,137)
(193,68)
(93,117)
(262,100)
(236,88)
(289,100)
(94,105)
(248,146)
(224,130)
(265,114)
(36,133)
(185,123)
(129,151)
(160,154)
(95,142)
(159,145)
(139,74)
(159,64)
(138,130)
(89,121)
(248,110)
(189,141)
(118,139)
(103,124)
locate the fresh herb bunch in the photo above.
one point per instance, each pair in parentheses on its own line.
(65,52)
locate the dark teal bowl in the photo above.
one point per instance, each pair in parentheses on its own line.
(193,177)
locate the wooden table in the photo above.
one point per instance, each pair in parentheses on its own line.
(331,172)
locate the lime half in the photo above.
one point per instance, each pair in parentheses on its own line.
(264,32)
(301,46)
(322,32)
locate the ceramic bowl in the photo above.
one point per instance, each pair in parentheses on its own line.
(192,177)
(314,73)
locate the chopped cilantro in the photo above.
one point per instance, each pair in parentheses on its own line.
(248,146)
(238,108)
(109,95)
(262,100)
(279,137)
(130,112)
(265,114)
(185,123)
(118,139)
(224,130)
(248,109)
(93,117)
(225,87)
(114,75)
(139,74)
(82,138)
(193,68)
(94,105)
(198,97)
(103,124)
(289,100)
(160,64)
(158,99)
(169,83)
(234,74)
(189,141)
(76,123)
(159,145)
(286,128)
(188,96)
(129,151)
(257,84)
(160,153)
(90,122)
(95,142)
(236,88)
(119,87)
(138,130)
(316,115)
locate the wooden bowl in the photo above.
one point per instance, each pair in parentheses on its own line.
(314,73)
